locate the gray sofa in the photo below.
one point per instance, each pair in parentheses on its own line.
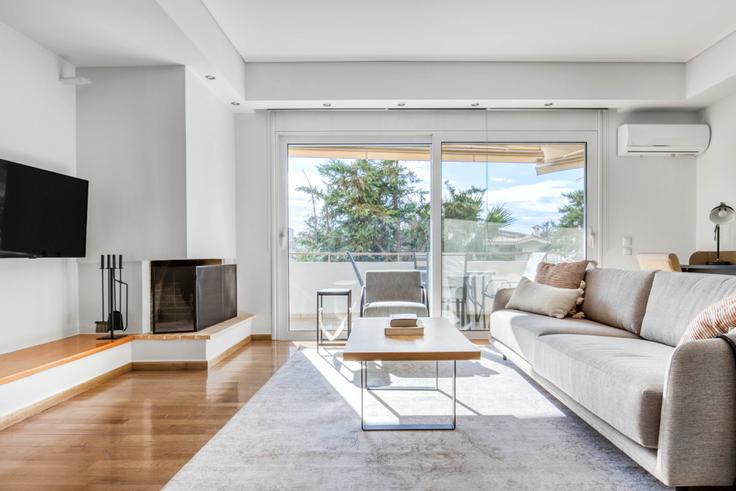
(671,408)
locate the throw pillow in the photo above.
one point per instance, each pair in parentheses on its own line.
(537,298)
(717,318)
(562,275)
(565,275)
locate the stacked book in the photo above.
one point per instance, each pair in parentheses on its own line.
(404,325)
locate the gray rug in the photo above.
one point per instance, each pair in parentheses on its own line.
(302,431)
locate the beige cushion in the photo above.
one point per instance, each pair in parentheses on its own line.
(530,296)
(677,298)
(520,330)
(618,379)
(617,297)
(387,309)
(717,318)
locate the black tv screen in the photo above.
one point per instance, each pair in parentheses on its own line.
(42,213)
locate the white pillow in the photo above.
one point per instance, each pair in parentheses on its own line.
(537,298)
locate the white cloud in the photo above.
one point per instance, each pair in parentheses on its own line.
(544,196)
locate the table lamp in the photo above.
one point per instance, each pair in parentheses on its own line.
(719,215)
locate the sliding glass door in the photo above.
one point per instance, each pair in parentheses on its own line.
(471,216)
(352,208)
(505,208)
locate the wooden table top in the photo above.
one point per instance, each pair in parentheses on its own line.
(441,341)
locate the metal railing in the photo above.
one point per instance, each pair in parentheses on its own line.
(340,257)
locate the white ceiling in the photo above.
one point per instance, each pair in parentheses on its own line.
(101,32)
(494,30)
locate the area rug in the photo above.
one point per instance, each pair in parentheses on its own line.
(302,431)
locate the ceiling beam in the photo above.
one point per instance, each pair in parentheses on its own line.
(572,84)
(224,62)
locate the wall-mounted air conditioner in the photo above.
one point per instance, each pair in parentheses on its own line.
(651,140)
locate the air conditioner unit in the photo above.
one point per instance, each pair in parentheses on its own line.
(665,140)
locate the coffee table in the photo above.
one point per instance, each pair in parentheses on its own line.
(441,342)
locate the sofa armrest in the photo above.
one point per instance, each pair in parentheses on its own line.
(501,299)
(697,433)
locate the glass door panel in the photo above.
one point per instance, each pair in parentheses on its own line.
(505,208)
(353,208)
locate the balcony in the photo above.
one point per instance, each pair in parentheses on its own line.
(469,282)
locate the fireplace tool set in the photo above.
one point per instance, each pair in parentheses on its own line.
(111,273)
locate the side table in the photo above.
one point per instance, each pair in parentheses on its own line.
(333,292)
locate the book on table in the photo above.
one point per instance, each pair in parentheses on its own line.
(403,320)
(404,325)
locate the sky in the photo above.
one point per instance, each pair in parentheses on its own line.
(531,199)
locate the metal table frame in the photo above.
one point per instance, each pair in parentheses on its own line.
(364,386)
(333,292)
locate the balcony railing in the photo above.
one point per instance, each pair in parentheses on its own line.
(314,270)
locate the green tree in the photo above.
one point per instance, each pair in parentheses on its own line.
(501,215)
(565,236)
(463,205)
(366,206)
(463,228)
(573,213)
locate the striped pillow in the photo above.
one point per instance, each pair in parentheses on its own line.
(562,275)
(717,318)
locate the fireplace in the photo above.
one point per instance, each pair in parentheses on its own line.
(191,294)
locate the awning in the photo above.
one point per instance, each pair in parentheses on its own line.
(548,157)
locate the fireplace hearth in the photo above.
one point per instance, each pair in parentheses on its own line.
(191,294)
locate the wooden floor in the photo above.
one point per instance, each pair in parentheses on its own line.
(137,430)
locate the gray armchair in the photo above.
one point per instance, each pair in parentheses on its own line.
(391,292)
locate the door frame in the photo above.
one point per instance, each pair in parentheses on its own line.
(280,140)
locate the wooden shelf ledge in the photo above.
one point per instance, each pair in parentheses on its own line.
(209,333)
(28,361)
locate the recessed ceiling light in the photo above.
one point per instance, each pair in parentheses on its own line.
(547,104)
(475,104)
(401,104)
(326,104)
(209,77)
(75,81)
(235,103)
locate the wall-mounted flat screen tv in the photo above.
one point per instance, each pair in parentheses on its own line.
(42,213)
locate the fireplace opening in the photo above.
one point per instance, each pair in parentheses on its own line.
(192,294)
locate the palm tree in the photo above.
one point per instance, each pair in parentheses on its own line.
(501,215)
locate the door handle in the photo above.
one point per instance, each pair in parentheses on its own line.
(282,239)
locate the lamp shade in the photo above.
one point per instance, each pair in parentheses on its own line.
(722,214)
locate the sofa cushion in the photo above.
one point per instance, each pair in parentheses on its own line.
(620,380)
(617,297)
(387,309)
(519,330)
(677,298)
(548,300)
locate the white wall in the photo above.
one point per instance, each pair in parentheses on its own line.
(131,146)
(38,298)
(210,173)
(651,200)
(253,178)
(716,174)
